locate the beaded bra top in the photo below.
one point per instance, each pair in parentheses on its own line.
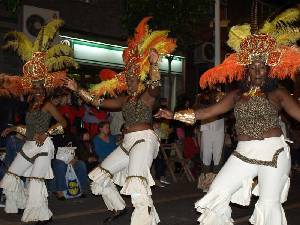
(255,116)
(36,122)
(136,112)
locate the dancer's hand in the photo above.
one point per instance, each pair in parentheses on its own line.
(71,84)
(153,56)
(164,113)
(7,131)
(40,139)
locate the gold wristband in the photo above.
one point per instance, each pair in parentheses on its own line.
(187,116)
(154,72)
(154,84)
(86,96)
(101,103)
(56,130)
(21,130)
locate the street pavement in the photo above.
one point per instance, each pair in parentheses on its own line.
(174,204)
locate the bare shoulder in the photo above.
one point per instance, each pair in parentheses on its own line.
(122,99)
(233,95)
(280,94)
(48,106)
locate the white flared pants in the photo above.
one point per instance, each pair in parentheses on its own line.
(234,183)
(35,163)
(129,166)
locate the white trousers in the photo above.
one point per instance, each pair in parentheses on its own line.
(35,163)
(233,184)
(129,166)
(212,146)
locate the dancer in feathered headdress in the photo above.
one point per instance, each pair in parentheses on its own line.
(273,43)
(135,58)
(129,165)
(261,150)
(41,72)
(45,64)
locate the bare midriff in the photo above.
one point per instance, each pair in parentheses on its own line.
(274,132)
(138,127)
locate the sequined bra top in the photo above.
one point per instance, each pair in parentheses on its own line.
(136,112)
(36,122)
(255,116)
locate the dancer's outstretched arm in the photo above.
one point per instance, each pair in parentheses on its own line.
(190,116)
(113,104)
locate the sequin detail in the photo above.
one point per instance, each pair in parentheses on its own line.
(36,122)
(136,112)
(272,163)
(255,116)
(105,171)
(129,150)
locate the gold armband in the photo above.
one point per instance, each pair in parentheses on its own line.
(154,72)
(58,129)
(154,84)
(21,130)
(187,116)
(86,96)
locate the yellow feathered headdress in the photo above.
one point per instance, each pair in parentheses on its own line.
(135,57)
(271,43)
(45,64)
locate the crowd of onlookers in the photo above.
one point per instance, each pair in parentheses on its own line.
(94,134)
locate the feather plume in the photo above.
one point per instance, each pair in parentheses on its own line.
(287,35)
(107,74)
(286,17)
(47,34)
(61,62)
(59,50)
(281,27)
(10,85)
(237,34)
(227,71)
(153,38)
(142,29)
(111,87)
(20,43)
(289,63)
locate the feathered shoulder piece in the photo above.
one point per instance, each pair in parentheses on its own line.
(44,62)
(135,57)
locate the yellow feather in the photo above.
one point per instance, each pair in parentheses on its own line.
(21,44)
(149,38)
(58,50)
(288,36)
(60,63)
(47,34)
(237,34)
(288,16)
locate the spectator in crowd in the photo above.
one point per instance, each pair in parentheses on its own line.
(58,184)
(91,119)
(159,162)
(85,150)
(212,141)
(116,121)
(104,143)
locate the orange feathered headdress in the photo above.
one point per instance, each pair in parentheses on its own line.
(135,58)
(272,43)
(107,74)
